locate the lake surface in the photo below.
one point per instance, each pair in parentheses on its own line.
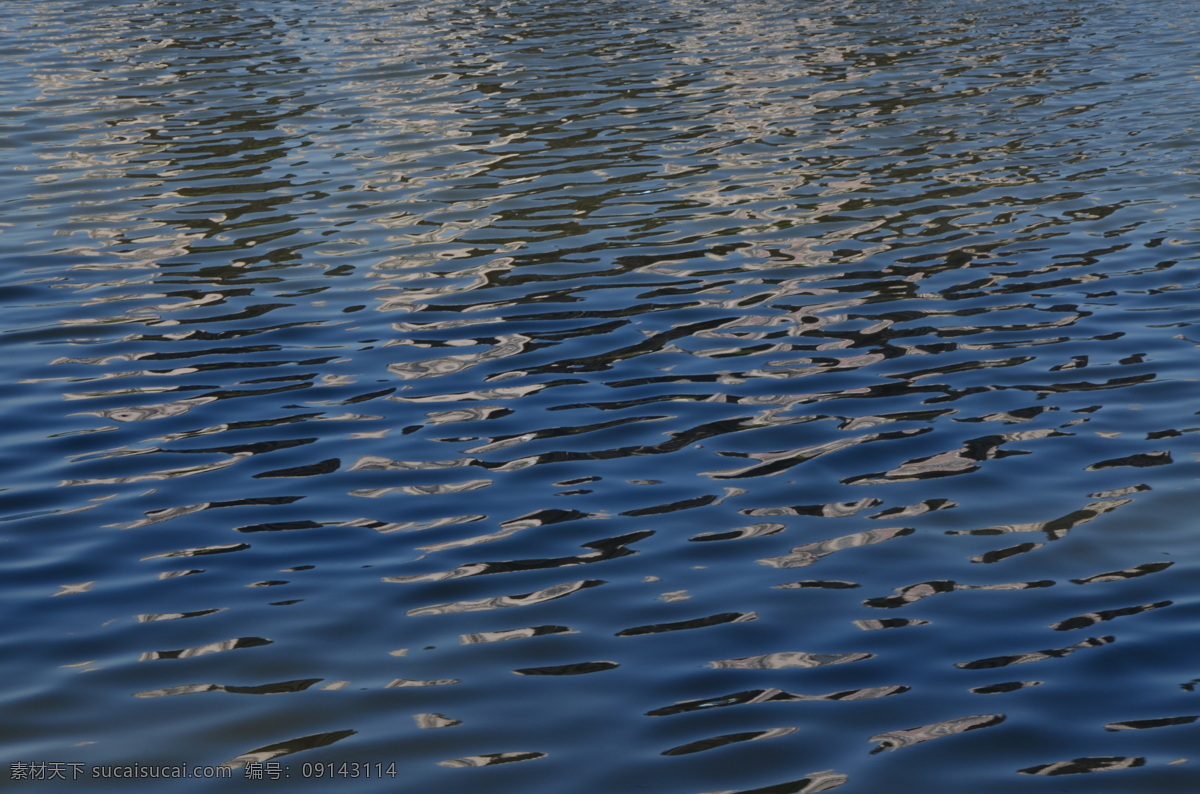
(665,396)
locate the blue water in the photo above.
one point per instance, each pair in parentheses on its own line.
(678,397)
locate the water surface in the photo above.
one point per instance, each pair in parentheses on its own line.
(623,396)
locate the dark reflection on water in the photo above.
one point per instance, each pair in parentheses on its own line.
(381,314)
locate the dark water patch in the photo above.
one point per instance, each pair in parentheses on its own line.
(997,555)
(1129,573)
(916,592)
(731,738)
(277,688)
(1091,619)
(1034,656)
(578,668)
(818,781)
(694,623)
(753,531)
(1082,766)
(1141,460)
(894,740)
(1157,722)
(607,549)
(1008,686)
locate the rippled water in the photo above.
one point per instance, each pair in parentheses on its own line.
(668,396)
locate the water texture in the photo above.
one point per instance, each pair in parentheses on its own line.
(669,396)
